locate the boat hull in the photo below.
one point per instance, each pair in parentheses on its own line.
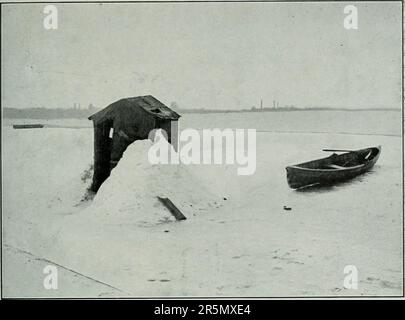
(333,169)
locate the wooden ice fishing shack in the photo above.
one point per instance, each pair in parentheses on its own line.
(123,122)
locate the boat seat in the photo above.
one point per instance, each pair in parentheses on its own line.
(335,166)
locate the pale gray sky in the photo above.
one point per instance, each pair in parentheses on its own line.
(212,55)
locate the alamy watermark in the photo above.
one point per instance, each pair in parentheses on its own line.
(50,21)
(51,279)
(351,20)
(207,146)
(351,280)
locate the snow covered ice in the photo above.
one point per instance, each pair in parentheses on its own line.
(246,245)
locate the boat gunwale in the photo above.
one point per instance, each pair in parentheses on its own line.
(328,170)
(298,166)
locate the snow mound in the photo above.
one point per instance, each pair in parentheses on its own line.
(130,194)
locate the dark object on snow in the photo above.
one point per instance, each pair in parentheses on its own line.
(28,126)
(172,208)
(333,169)
(287,208)
(123,122)
(337,150)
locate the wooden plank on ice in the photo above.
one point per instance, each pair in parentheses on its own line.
(172,208)
(28,126)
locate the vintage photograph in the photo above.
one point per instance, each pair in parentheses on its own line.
(202,149)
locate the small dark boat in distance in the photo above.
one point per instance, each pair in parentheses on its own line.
(332,169)
(28,126)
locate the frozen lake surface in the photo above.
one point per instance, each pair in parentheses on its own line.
(246,245)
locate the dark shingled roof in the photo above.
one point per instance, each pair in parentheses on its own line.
(148,103)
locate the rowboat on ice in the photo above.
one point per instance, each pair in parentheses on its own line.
(332,169)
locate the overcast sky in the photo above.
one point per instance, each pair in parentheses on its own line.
(222,55)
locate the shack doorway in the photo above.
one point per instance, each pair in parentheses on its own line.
(102,157)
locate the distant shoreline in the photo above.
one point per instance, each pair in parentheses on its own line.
(59,113)
(202,111)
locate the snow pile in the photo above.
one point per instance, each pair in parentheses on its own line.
(130,194)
